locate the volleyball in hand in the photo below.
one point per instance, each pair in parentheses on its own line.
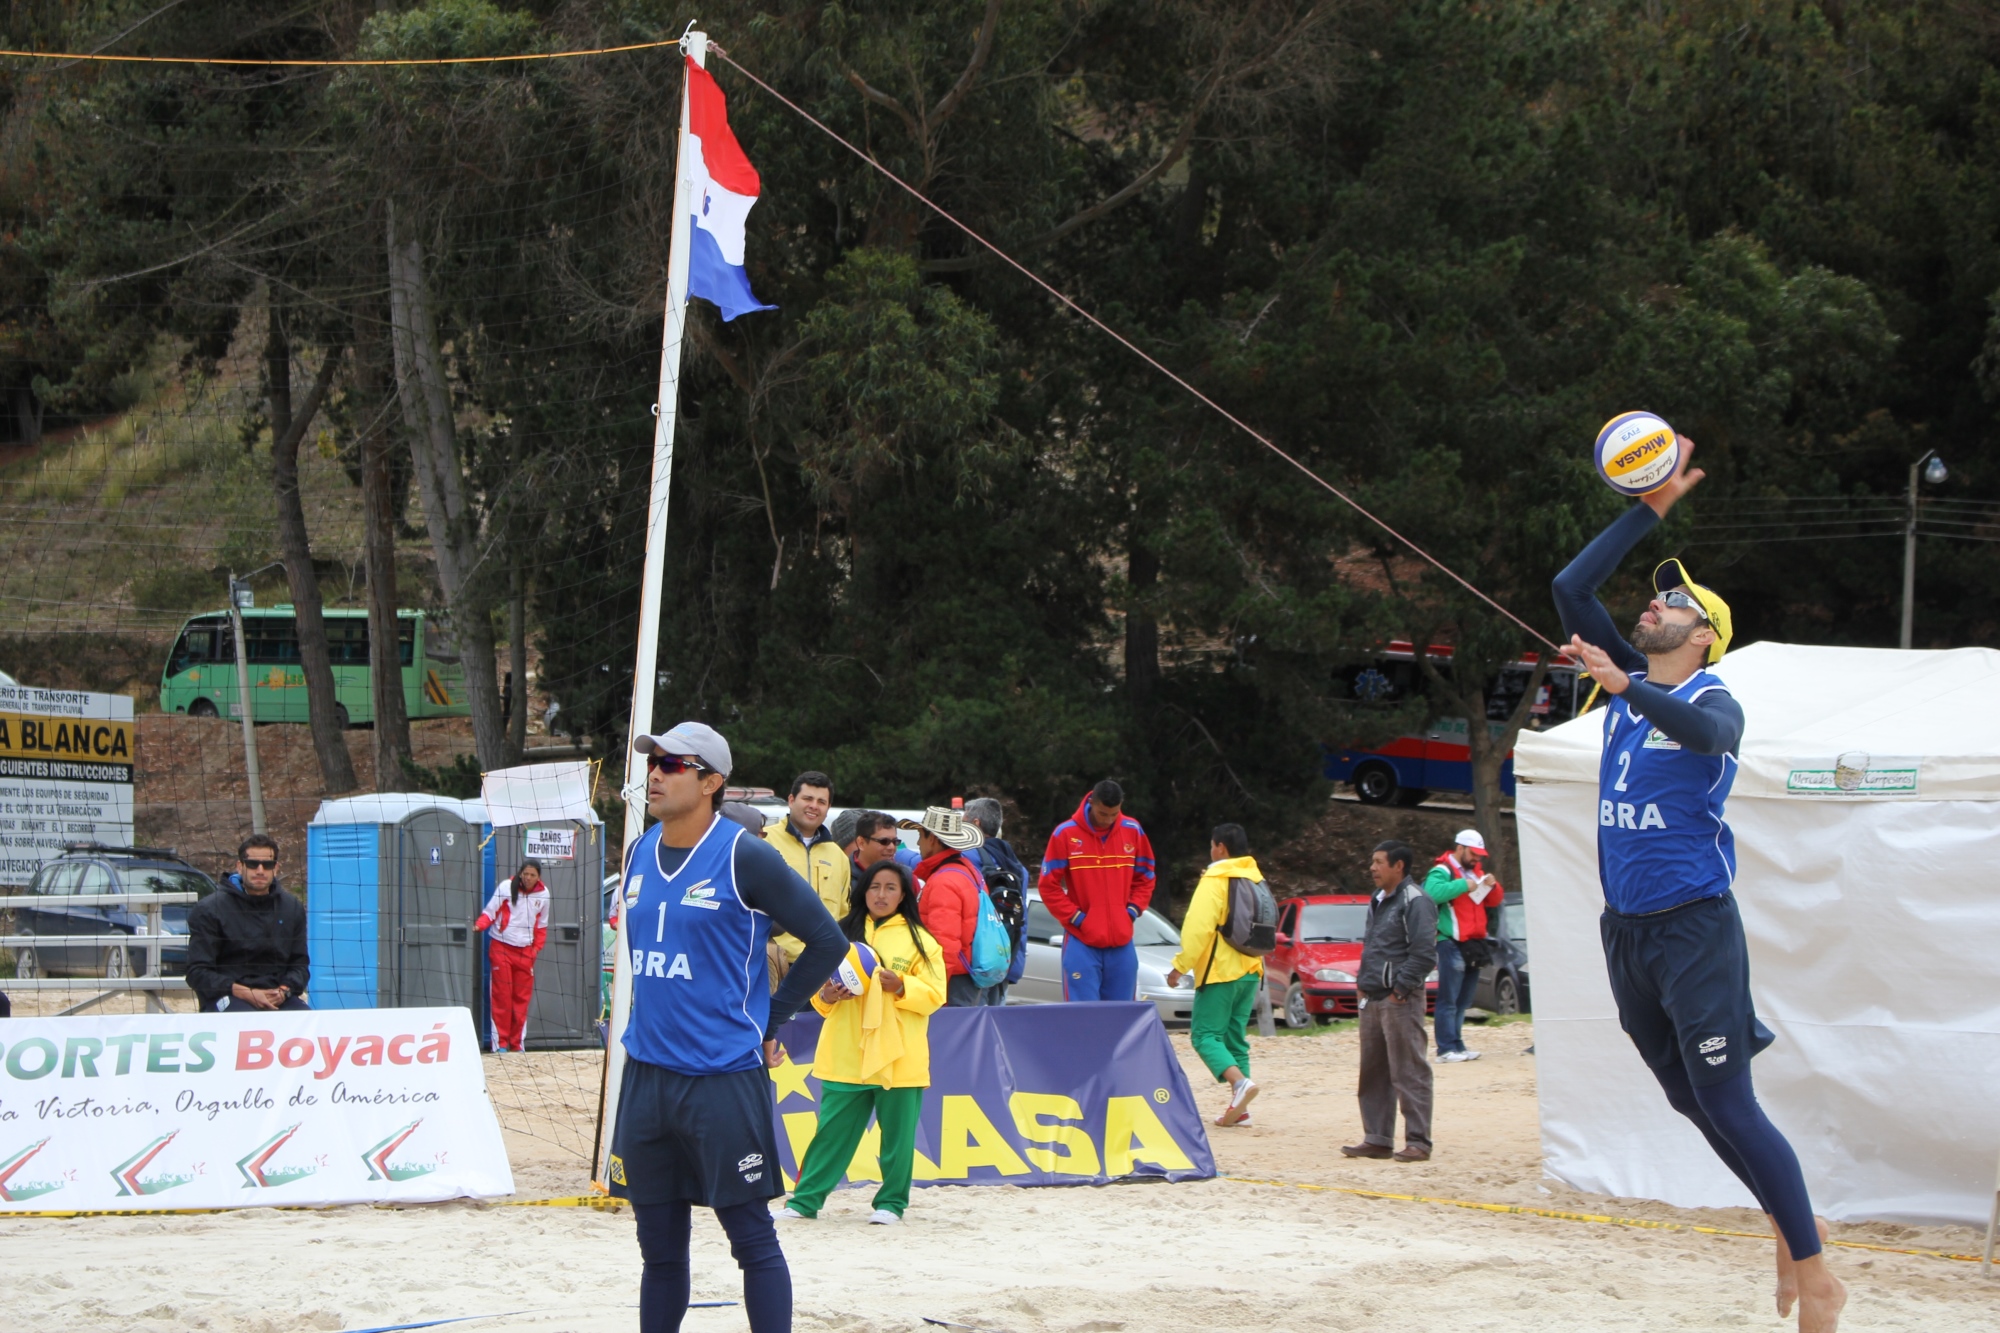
(1637,453)
(856,968)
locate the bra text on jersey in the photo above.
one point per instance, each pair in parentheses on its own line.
(1624,814)
(653,963)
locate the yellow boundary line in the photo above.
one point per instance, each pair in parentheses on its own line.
(334,64)
(1603,1219)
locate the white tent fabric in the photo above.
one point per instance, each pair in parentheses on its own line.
(533,793)
(1867,821)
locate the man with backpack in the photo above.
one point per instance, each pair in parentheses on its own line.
(1006,883)
(1231,924)
(955,909)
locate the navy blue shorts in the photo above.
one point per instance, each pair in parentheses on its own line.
(1682,981)
(700,1138)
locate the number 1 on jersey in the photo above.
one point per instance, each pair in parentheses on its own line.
(660,935)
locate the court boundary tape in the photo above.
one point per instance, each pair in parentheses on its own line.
(1601,1219)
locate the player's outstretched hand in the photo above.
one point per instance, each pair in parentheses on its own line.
(1684,480)
(1599,664)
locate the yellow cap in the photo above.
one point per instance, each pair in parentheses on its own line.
(1673,574)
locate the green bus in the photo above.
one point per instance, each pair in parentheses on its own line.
(200,679)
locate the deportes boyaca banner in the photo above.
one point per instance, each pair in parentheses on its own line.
(1055,1094)
(231,1111)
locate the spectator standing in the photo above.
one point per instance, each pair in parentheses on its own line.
(695,1109)
(1397,954)
(1006,882)
(516,921)
(1225,980)
(948,891)
(803,839)
(1459,886)
(1097,876)
(874,1054)
(247,944)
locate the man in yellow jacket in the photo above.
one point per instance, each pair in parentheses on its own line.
(801,837)
(1225,981)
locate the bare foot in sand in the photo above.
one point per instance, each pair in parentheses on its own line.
(1821,1296)
(1788,1276)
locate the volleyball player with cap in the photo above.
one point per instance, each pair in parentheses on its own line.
(695,1122)
(1673,940)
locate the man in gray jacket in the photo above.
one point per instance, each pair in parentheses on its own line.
(1396,958)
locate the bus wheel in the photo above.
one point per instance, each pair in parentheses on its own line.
(1375,784)
(202,708)
(340,717)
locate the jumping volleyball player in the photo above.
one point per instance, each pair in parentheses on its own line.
(694,1108)
(1673,941)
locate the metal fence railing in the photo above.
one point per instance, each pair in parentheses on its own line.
(120,945)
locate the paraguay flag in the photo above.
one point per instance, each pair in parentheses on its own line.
(725,189)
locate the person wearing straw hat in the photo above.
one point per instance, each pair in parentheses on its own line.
(948,890)
(1673,940)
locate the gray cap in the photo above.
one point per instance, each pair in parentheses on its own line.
(696,738)
(842,827)
(747,815)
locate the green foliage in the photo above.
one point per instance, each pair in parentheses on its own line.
(461,778)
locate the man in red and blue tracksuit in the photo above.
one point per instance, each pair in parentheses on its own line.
(1097,876)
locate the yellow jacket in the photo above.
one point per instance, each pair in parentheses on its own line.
(880,1038)
(823,866)
(1201,932)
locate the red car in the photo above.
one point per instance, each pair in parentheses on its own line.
(1311,972)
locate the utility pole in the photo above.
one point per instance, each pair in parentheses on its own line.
(241,596)
(1933,471)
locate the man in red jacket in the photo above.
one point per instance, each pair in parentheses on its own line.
(948,889)
(1097,876)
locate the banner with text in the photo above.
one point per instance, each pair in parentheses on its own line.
(240,1110)
(66,760)
(1047,1094)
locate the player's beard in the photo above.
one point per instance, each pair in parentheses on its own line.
(1653,640)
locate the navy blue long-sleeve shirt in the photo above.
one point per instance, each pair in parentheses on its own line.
(1713,723)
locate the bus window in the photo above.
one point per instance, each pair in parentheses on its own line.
(406,641)
(271,640)
(198,646)
(347,640)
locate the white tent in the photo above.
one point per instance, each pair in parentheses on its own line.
(1867,821)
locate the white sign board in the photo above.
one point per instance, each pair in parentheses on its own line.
(66,761)
(240,1110)
(551,844)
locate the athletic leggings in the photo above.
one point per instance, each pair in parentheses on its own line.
(1728,1116)
(663,1244)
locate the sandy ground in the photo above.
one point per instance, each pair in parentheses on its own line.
(1219,1254)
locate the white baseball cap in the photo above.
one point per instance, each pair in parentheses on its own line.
(692,738)
(1470,838)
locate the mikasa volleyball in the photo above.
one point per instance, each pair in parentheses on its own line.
(1637,452)
(855,969)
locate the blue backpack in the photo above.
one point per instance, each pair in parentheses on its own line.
(992,951)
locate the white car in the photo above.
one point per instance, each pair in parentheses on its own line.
(1158,941)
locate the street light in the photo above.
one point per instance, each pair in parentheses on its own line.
(241,596)
(1933,470)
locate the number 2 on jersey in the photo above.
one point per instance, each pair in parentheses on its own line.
(1624,772)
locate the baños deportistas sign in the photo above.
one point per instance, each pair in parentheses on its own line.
(1049,1094)
(237,1110)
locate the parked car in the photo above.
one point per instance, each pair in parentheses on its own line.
(92,869)
(1503,983)
(1311,973)
(1158,941)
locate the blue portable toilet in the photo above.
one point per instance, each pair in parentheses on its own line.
(394,882)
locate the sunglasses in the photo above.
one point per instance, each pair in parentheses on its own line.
(889,841)
(1684,601)
(260,865)
(673,763)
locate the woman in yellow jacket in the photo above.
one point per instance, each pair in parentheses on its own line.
(874,1049)
(1225,981)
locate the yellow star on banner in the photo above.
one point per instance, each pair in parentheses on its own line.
(790,1078)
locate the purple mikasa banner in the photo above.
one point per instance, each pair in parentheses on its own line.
(1047,1094)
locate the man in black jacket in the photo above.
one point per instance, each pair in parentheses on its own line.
(247,943)
(1397,956)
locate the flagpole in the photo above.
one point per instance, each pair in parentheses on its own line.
(645,663)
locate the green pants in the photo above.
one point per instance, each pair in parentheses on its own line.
(1221,1012)
(844,1109)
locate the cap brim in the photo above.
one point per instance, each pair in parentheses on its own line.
(647,745)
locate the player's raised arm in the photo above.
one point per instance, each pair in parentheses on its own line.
(1583,616)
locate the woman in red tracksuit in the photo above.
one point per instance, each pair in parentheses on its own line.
(518,918)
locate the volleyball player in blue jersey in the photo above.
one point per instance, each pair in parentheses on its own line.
(1673,941)
(694,1107)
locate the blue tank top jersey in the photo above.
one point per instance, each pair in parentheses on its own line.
(700,980)
(1661,837)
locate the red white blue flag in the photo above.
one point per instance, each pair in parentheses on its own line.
(725,189)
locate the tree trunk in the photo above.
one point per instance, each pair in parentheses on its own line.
(378,518)
(1142,632)
(336,768)
(426,399)
(28,414)
(517,657)
(1489,756)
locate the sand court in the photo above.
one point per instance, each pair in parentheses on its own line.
(1210,1255)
